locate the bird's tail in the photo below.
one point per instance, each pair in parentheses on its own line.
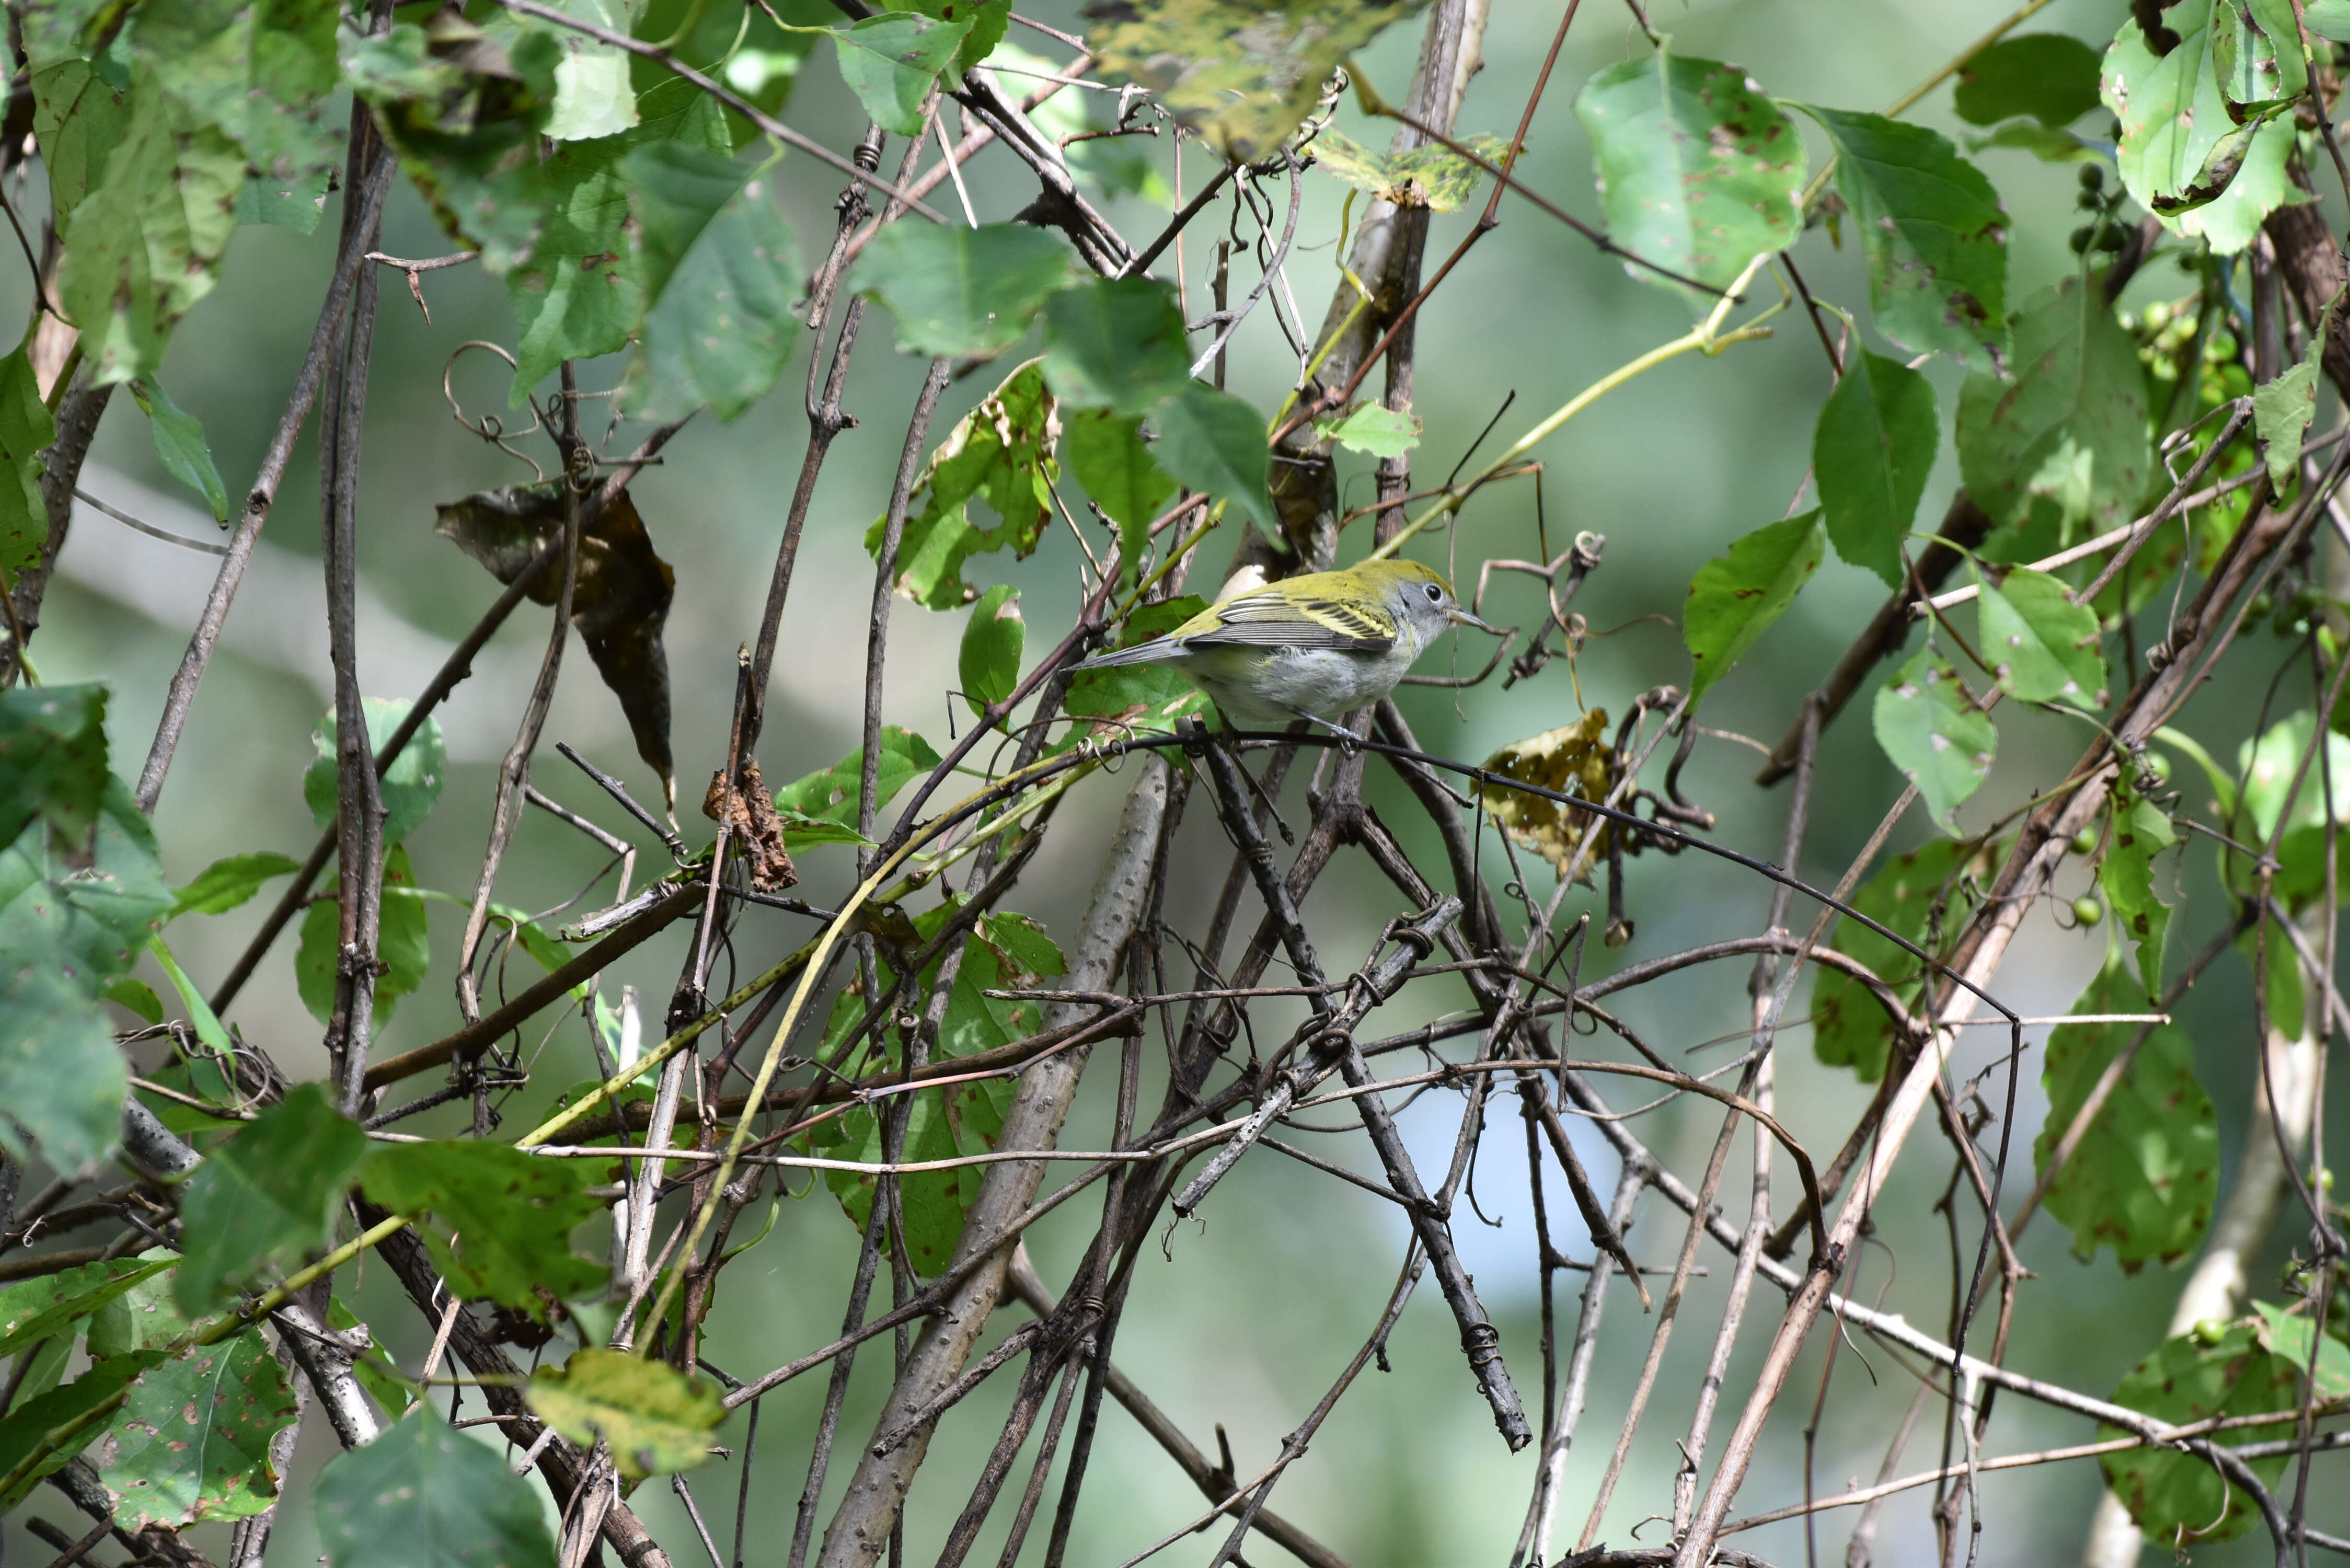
(1156,651)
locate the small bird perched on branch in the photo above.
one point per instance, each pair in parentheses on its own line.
(1308,648)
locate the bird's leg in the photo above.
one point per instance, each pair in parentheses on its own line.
(1350,743)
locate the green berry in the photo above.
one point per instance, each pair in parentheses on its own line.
(2085,841)
(2093,177)
(2209,1332)
(2080,239)
(2088,910)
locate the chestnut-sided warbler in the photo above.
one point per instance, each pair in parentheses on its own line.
(1308,648)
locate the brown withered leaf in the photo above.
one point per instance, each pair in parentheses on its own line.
(620,604)
(1576,760)
(756,828)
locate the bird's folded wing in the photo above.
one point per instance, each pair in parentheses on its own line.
(1267,619)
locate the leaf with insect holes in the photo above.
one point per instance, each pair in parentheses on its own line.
(992,643)
(1213,443)
(891,60)
(1734,597)
(1929,726)
(2042,646)
(1434,177)
(620,602)
(1698,170)
(1913,895)
(1372,429)
(1116,344)
(2051,77)
(2070,430)
(2255,1365)
(2140,832)
(1000,453)
(192,1440)
(657,1420)
(266,1199)
(424,1493)
(959,290)
(1575,759)
(1245,73)
(1872,450)
(2146,1171)
(1935,236)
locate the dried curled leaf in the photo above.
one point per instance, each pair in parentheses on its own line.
(619,602)
(1576,760)
(755,827)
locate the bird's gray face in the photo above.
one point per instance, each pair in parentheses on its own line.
(1426,609)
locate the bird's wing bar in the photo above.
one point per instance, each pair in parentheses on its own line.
(1265,619)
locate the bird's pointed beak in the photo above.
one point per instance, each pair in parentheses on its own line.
(1462,618)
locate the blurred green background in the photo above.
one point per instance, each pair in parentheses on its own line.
(1248,1313)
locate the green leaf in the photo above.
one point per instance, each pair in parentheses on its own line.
(2182,140)
(1119,343)
(992,641)
(1433,177)
(52,758)
(2270,766)
(422,1493)
(1929,727)
(259,70)
(1212,442)
(1107,454)
(288,204)
(830,794)
(1735,597)
(2249,1371)
(890,62)
(82,110)
(501,1220)
(36,1422)
(1933,231)
(2264,183)
(408,788)
(1697,169)
(1912,895)
(2070,430)
(135,996)
(180,444)
(142,1318)
(592,94)
(2147,1172)
(148,237)
(1871,452)
(2257,54)
(2283,407)
(2042,646)
(387,1389)
(658,1420)
(25,428)
(32,1310)
(1000,453)
(229,882)
(1372,428)
(2048,146)
(1244,72)
(957,290)
(264,1201)
(62,1078)
(2140,832)
(2049,75)
(192,1440)
(1150,695)
(2327,19)
(402,946)
(719,281)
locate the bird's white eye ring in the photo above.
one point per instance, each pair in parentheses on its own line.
(1435,594)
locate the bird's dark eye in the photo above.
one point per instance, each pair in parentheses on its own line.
(1435,594)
